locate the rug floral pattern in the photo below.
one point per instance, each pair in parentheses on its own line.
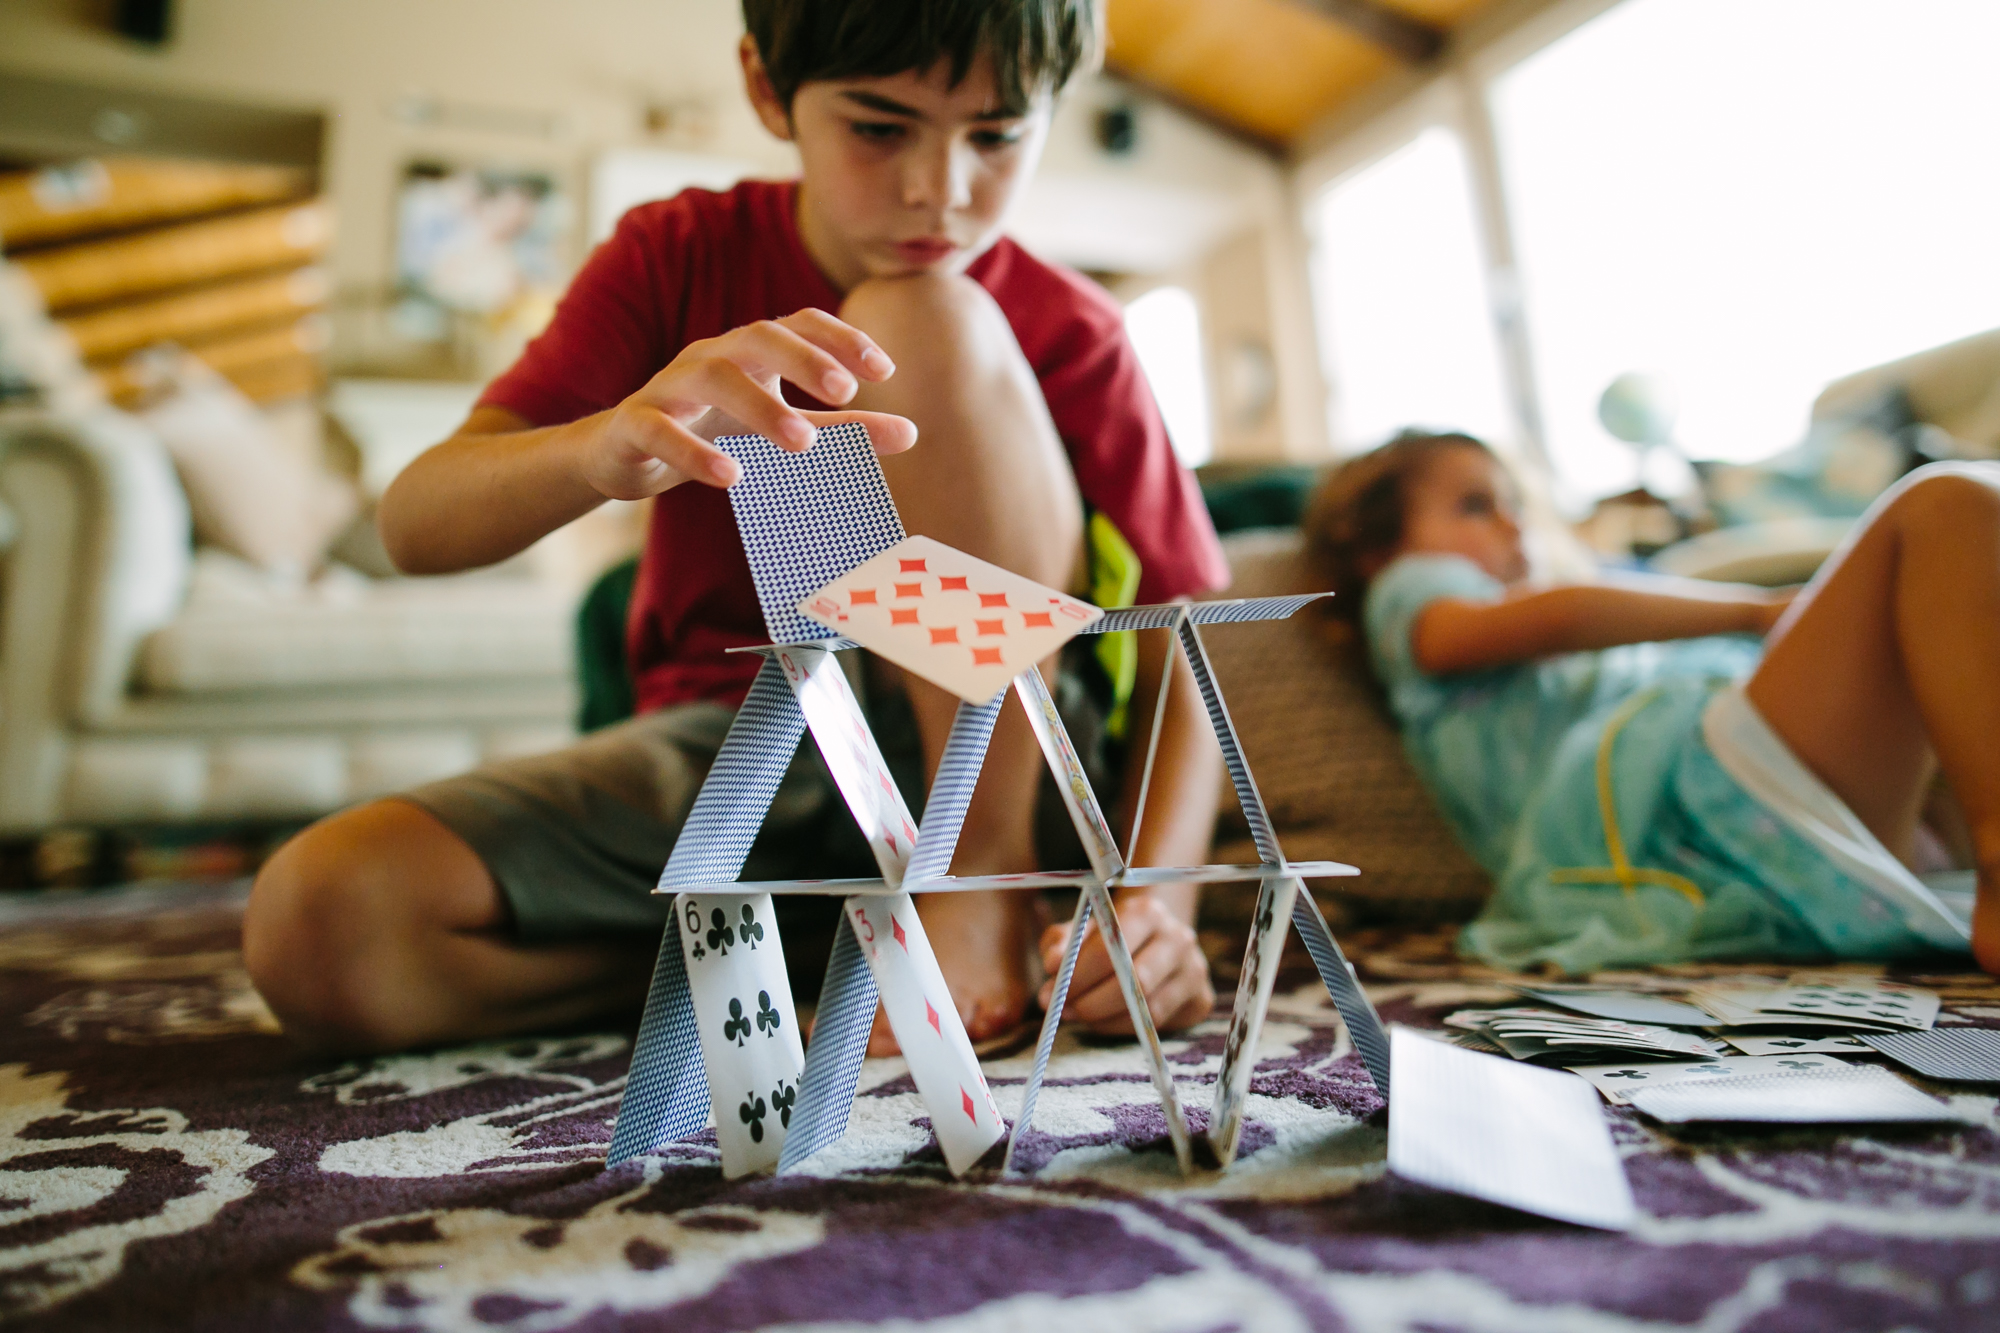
(167,1161)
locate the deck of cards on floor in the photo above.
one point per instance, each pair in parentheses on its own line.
(834,571)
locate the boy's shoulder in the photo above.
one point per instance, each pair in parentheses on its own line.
(745,210)
(1058,301)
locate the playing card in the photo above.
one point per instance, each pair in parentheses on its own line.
(1619,1081)
(852,756)
(1864,999)
(1824,1044)
(807,517)
(1956,1055)
(666,1093)
(1253,997)
(1533,1034)
(956,621)
(1820,1000)
(1623,1005)
(1509,1133)
(1861,1094)
(749,1032)
(927,1027)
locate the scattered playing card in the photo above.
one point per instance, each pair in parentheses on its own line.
(927,1027)
(958,622)
(1538,1034)
(1624,1005)
(1855,1095)
(1821,1000)
(1619,1081)
(1789,1044)
(748,1029)
(1960,1055)
(1509,1133)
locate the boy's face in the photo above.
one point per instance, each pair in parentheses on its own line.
(903,173)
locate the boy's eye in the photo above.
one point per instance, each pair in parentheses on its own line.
(996,139)
(1476,504)
(878,131)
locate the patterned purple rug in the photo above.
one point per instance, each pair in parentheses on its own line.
(169,1163)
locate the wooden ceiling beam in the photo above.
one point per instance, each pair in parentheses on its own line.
(1408,39)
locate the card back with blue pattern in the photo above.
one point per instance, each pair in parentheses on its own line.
(808,518)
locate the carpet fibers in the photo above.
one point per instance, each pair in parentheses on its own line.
(167,1161)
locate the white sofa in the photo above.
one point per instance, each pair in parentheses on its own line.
(1955,387)
(142,683)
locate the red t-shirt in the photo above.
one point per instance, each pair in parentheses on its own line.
(702,263)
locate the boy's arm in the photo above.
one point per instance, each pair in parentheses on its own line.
(1178,828)
(499,484)
(1453,634)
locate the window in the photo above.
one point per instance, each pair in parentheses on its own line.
(1400,292)
(1751,200)
(1165,328)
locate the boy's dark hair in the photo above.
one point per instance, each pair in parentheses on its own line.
(1356,517)
(1036,45)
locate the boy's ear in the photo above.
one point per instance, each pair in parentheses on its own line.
(775,115)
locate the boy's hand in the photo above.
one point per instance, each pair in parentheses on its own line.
(662,435)
(1166,959)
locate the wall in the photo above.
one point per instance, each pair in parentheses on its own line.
(575,77)
(533,84)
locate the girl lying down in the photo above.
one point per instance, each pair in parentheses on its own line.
(1667,770)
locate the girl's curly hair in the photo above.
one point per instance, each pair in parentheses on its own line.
(1356,516)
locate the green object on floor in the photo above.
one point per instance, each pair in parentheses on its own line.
(605,678)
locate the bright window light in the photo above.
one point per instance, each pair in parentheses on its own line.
(1165,328)
(1751,200)
(1400,291)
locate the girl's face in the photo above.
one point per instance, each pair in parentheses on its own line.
(1462,502)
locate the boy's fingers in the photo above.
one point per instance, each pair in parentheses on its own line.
(855,349)
(1174,981)
(664,437)
(889,434)
(773,348)
(728,388)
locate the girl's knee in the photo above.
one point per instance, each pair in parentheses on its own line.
(1957,497)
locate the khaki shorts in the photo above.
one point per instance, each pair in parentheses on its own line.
(576,838)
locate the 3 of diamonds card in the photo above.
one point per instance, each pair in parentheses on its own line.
(958,622)
(927,1027)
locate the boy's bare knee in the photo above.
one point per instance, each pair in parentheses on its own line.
(323,927)
(925,314)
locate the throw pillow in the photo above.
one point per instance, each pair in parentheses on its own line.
(252,491)
(1843,463)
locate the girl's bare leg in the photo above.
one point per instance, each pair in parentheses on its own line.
(1889,663)
(989,476)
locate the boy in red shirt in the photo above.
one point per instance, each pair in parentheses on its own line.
(518,896)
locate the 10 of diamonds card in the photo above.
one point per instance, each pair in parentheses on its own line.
(953,619)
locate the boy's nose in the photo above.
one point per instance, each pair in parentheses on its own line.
(936,177)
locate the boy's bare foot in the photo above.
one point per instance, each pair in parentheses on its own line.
(981,941)
(1166,958)
(1986,920)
